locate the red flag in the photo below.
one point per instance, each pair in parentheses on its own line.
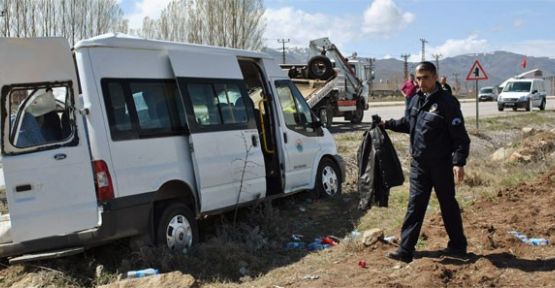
(523,63)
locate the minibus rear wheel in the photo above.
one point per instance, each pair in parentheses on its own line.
(177,228)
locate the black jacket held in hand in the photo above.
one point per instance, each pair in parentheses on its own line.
(436,128)
(378,167)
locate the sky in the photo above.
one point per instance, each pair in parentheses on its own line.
(389,28)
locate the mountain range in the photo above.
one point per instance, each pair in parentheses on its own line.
(499,66)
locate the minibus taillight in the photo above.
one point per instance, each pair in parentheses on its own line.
(103,181)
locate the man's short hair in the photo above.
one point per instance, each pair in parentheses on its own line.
(426,66)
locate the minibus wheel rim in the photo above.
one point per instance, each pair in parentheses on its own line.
(330,181)
(179,234)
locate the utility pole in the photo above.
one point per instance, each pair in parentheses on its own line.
(424,41)
(372,75)
(283,41)
(405,65)
(437,56)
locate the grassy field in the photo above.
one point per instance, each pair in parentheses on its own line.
(250,253)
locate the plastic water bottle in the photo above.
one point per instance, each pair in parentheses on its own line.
(142,273)
(355,234)
(390,239)
(538,241)
(519,236)
(295,246)
(315,246)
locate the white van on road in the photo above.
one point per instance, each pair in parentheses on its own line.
(162,135)
(523,93)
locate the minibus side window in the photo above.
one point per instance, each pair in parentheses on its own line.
(296,113)
(143,108)
(204,103)
(217,103)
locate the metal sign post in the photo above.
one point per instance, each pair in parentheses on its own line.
(477,73)
(477,110)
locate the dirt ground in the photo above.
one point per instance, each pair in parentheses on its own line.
(498,196)
(496,259)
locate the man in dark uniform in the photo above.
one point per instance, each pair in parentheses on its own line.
(439,146)
(445,86)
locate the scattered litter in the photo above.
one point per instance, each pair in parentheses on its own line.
(142,273)
(538,241)
(244,271)
(329,240)
(311,277)
(302,209)
(296,237)
(355,234)
(317,245)
(362,264)
(99,271)
(320,243)
(323,243)
(530,241)
(390,239)
(295,245)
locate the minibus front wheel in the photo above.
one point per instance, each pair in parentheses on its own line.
(328,179)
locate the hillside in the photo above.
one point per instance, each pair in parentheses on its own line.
(499,65)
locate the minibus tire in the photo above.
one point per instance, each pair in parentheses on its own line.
(325,177)
(183,224)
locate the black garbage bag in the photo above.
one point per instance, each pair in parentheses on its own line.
(379,167)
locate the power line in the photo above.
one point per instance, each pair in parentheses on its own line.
(424,41)
(283,41)
(405,65)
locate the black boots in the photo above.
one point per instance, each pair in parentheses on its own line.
(399,256)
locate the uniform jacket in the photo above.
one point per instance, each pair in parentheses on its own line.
(379,168)
(436,127)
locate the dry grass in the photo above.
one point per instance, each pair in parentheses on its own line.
(256,242)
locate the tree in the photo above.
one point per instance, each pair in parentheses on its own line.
(73,19)
(227,23)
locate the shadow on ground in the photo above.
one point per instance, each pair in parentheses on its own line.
(256,243)
(502,260)
(345,127)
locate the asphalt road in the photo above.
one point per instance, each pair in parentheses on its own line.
(486,109)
